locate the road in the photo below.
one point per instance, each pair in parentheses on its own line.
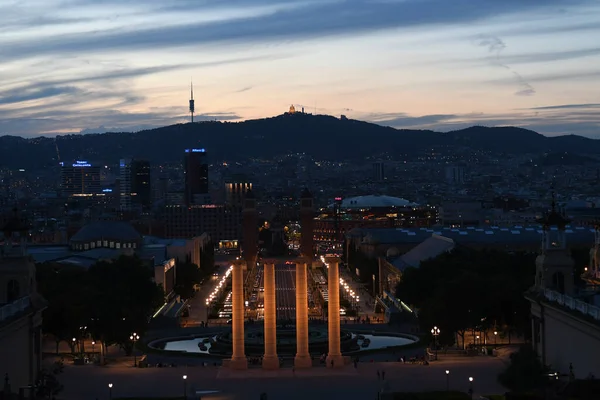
(198,309)
(285,281)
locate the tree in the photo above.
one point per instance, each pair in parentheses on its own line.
(187,275)
(122,297)
(525,371)
(470,290)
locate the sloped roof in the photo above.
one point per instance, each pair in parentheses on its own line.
(430,248)
(375,201)
(115,230)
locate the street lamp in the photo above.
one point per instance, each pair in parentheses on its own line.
(477,341)
(495,338)
(471,387)
(435,332)
(110,385)
(134,338)
(185,387)
(74,344)
(93,346)
(207,309)
(447,380)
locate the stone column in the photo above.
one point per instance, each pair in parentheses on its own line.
(270,359)
(334,358)
(238,357)
(302,359)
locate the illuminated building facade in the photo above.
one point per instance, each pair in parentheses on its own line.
(236,188)
(80,179)
(195,165)
(332,223)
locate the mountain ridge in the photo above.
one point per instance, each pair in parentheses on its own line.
(322,136)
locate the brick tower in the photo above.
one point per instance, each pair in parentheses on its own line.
(307,214)
(250,230)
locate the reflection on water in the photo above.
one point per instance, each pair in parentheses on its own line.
(376,342)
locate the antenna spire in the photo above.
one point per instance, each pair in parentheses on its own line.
(192,105)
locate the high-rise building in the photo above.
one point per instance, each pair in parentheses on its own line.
(135,184)
(378,171)
(236,187)
(195,165)
(80,179)
(455,175)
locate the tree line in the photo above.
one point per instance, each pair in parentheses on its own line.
(107,302)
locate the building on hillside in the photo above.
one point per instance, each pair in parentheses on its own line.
(20,312)
(195,166)
(565,320)
(135,189)
(461,214)
(236,187)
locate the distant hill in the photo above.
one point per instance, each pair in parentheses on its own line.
(322,136)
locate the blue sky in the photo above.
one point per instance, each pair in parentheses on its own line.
(91,65)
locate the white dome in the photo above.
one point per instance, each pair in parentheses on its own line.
(373,201)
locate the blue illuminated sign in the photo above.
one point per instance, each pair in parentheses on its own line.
(82,164)
(107,190)
(195,150)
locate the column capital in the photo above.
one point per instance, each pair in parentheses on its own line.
(302,260)
(269,261)
(239,262)
(332,260)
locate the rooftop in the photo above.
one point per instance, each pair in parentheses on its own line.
(375,201)
(488,234)
(115,230)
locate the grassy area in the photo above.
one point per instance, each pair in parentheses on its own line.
(429,396)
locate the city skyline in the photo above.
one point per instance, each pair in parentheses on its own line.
(83,66)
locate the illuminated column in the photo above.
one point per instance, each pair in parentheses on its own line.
(302,359)
(238,357)
(270,359)
(334,358)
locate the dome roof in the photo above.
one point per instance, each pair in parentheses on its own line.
(115,230)
(374,201)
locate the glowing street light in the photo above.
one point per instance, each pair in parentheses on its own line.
(134,338)
(435,331)
(471,387)
(495,338)
(185,387)
(110,385)
(447,380)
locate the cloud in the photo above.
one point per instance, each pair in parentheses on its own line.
(305,20)
(496,45)
(567,106)
(19,96)
(245,89)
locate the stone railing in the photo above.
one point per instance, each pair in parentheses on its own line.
(14,308)
(573,304)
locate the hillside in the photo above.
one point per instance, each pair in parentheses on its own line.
(321,136)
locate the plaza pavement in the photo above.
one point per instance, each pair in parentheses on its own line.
(91,382)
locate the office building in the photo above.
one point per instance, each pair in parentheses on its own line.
(455,175)
(195,165)
(378,171)
(135,184)
(80,179)
(236,187)
(221,222)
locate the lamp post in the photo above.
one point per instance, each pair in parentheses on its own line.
(185,387)
(74,344)
(471,387)
(134,338)
(477,341)
(207,310)
(110,385)
(447,380)
(93,345)
(495,339)
(435,332)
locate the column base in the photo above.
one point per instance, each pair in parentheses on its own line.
(302,362)
(270,362)
(335,361)
(239,363)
